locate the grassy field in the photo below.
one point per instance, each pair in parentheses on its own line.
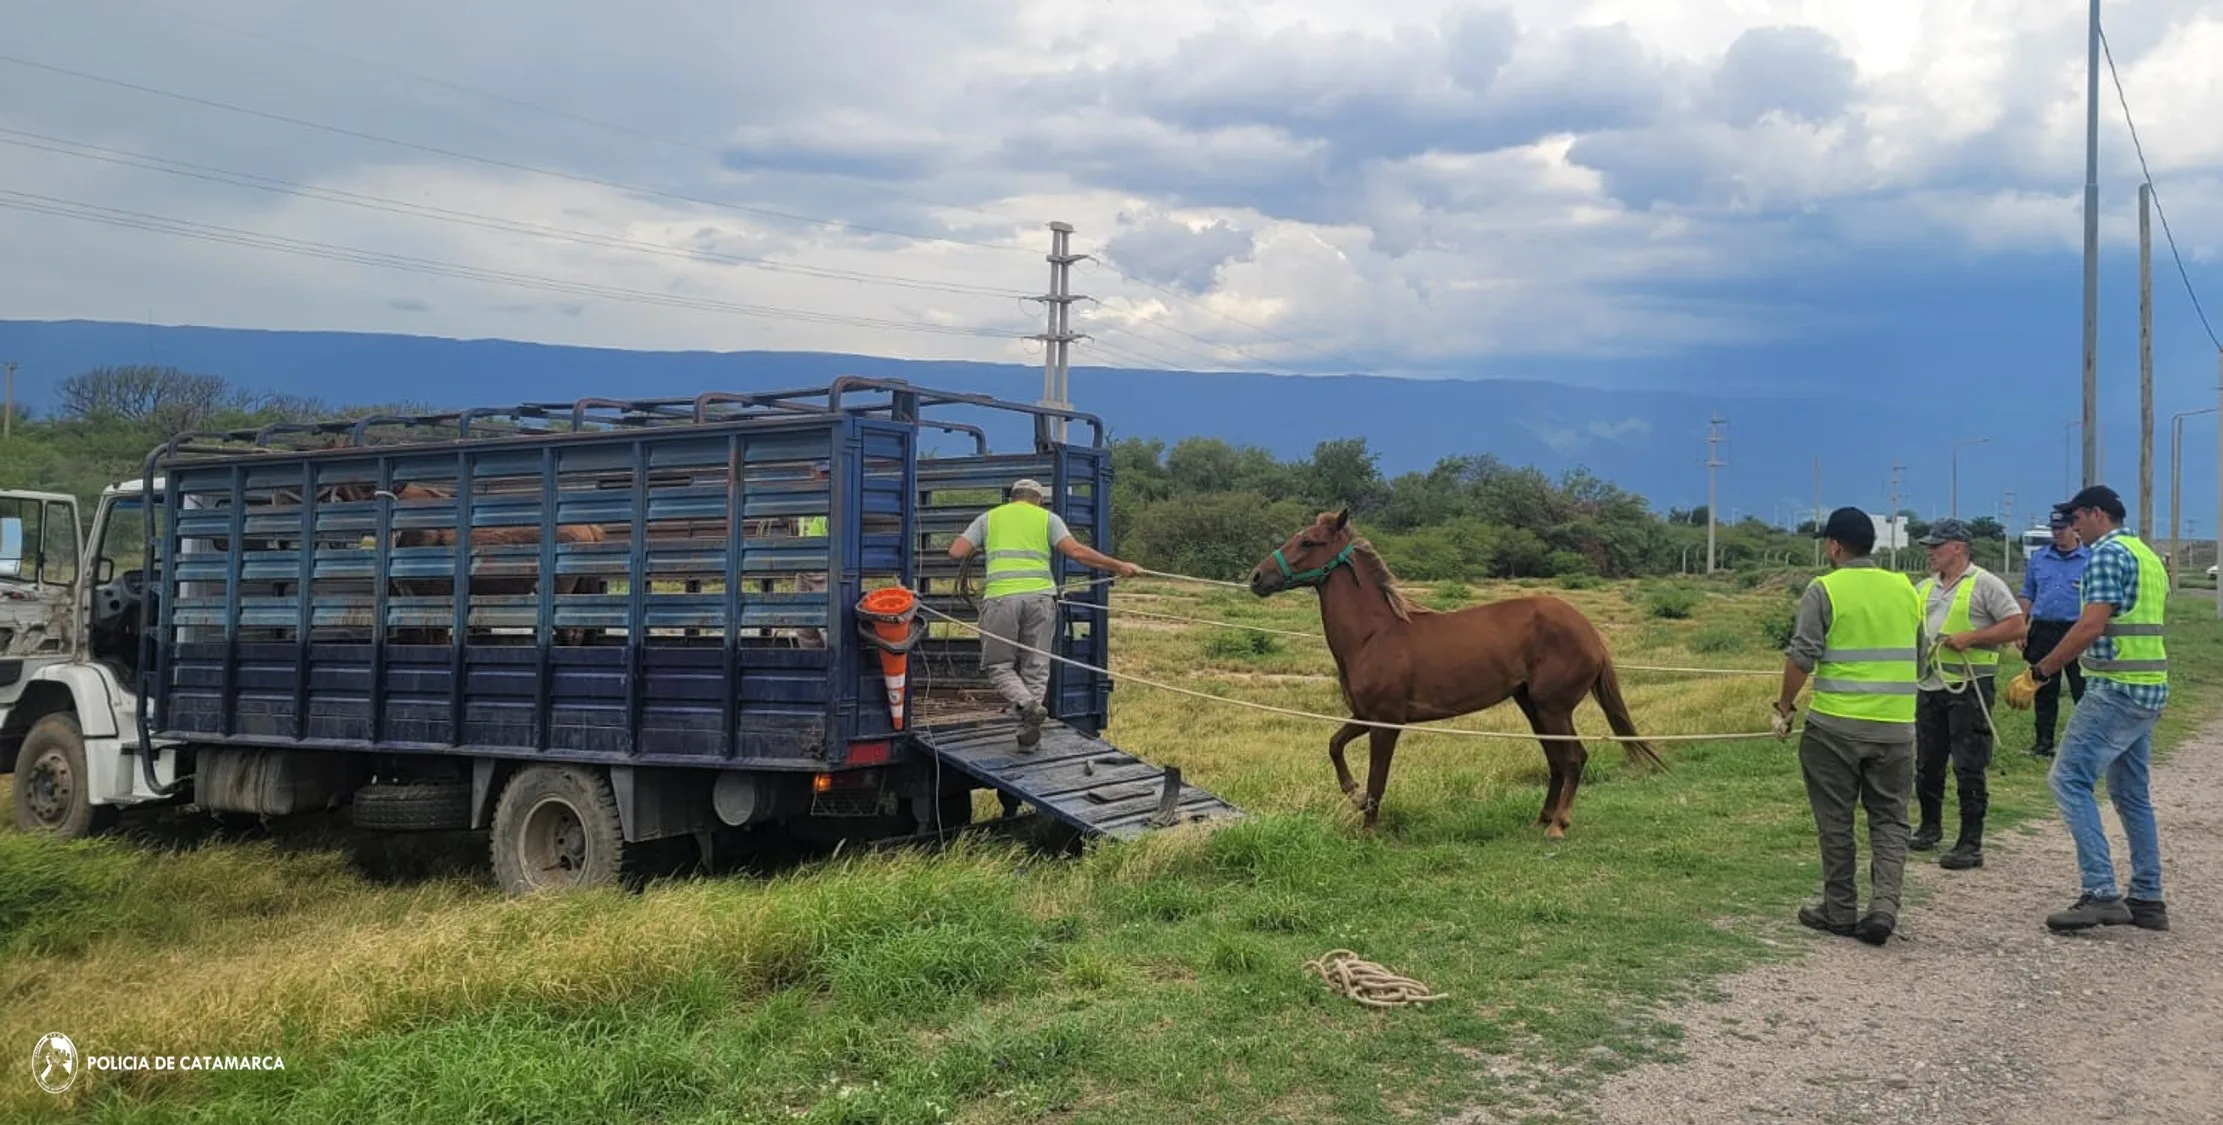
(1157,981)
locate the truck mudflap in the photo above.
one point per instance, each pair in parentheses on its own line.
(1085,783)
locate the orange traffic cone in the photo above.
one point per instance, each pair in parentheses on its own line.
(893,614)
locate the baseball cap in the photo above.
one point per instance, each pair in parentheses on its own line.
(1852,527)
(2059,518)
(1947,531)
(1028,484)
(2098,496)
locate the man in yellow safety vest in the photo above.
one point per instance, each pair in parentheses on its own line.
(1967,614)
(1858,634)
(2118,636)
(1019,601)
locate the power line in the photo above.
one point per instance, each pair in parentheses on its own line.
(522,103)
(510,165)
(258,182)
(2140,149)
(209,232)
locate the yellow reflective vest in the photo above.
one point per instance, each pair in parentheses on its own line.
(1018,550)
(1985,658)
(2130,650)
(1868,668)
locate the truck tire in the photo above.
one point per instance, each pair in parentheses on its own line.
(557,828)
(420,806)
(53,795)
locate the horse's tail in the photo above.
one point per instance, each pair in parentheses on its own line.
(1607,691)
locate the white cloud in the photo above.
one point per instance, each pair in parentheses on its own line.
(1420,187)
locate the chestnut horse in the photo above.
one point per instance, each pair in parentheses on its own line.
(1401,663)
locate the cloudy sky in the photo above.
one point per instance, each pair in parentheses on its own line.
(1695,192)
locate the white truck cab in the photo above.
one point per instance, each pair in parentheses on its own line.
(69,652)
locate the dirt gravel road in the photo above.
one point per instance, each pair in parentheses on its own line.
(1980,1014)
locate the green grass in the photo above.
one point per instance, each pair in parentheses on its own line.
(1157,980)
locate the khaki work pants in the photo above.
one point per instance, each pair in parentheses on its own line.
(1842,772)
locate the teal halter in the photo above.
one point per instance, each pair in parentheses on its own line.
(1315,575)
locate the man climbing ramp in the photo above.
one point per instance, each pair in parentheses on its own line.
(1019,601)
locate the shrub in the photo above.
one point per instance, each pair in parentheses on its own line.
(1778,623)
(1672,602)
(1580,581)
(1240,644)
(1716,638)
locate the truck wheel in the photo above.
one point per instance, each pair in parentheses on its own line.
(422,806)
(53,795)
(556,827)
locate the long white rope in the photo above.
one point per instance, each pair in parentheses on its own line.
(1339,720)
(1323,640)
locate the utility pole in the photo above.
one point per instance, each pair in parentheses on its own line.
(2007,535)
(1817,512)
(7,421)
(2091,252)
(1713,462)
(2145,361)
(1058,335)
(1893,515)
(2219,483)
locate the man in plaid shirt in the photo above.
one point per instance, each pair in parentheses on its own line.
(2118,638)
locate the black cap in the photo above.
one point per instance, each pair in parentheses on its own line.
(2098,496)
(1852,527)
(1947,531)
(2060,518)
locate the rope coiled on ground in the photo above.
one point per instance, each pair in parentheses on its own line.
(1369,983)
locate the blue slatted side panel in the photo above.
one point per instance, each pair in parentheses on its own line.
(684,662)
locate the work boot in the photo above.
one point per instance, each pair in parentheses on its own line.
(2148,913)
(2089,912)
(1963,856)
(1875,929)
(1813,919)
(1925,837)
(1968,851)
(1031,718)
(2042,750)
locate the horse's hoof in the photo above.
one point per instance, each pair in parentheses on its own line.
(1555,833)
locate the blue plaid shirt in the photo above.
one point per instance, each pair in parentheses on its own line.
(2112,577)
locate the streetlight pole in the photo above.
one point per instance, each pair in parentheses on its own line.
(1955,502)
(2007,536)
(2091,250)
(2176,483)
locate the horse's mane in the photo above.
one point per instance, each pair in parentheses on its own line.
(1369,563)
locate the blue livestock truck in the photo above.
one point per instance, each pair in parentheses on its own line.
(585,627)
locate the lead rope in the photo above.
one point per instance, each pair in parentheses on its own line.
(1968,669)
(1369,983)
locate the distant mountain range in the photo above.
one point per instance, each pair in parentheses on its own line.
(1650,442)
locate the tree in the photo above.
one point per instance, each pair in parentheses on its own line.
(1202,464)
(1985,527)
(1343,475)
(166,399)
(1217,536)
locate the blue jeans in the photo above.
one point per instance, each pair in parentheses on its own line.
(2109,736)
